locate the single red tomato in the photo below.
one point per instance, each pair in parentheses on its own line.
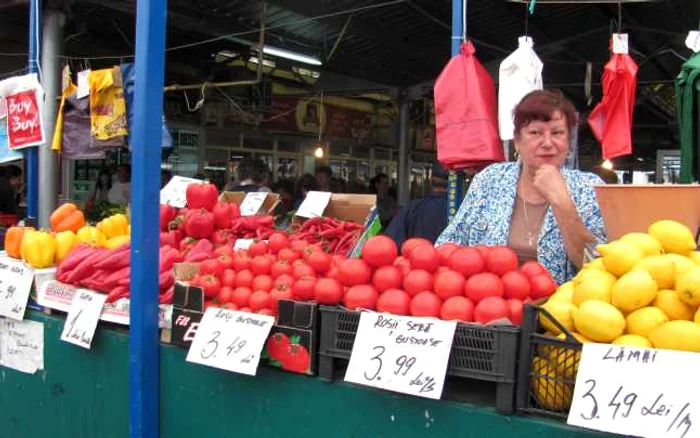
(387,277)
(319,261)
(457,309)
(241,261)
(418,281)
(353,272)
(445,251)
(312,248)
(299,246)
(228,278)
(241,296)
(403,264)
(245,310)
(532,268)
(277,242)
(279,294)
(483,285)
(338,259)
(210,267)
(379,251)
(363,296)
(303,289)
(267,312)
(333,273)
(280,267)
(224,249)
(483,250)
(208,304)
(409,244)
(467,261)
(426,304)
(257,248)
(283,282)
(394,301)
(288,255)
(542,286)
(262,282)
(515,285)
(225,261)
(448,284)
(260,265)
(515,307)
(490,309)
(244,278)
(211,285)
(501,260)
(259,300)
(300,271)
(328,291)
(231,306)
(225,295)
(425,257)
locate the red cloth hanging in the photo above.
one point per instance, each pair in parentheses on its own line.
(466,120)
(611,119)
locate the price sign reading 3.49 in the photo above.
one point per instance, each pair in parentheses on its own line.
(637,391)
(401,354)
(230,340)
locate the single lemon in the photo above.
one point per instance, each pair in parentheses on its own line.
(694,256)
(599,321)
(688,286)
(549,390)
(661,269)
(633,291)
(641,322)
(595,264)
(562,311)
(675,237)
(565,292)
(646,243)
(677,335)
(681,263)
(594,285)
(672,305)
(633,341)
(619,257)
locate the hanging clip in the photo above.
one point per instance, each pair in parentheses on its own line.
(692,41)
(200,102)
(620,43)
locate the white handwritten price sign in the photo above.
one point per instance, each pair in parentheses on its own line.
(637,391)
(242,244)
(174,192)
(314,204)
(22,345)
(252,202)
(402,354)
(15,284)
(230,340)
(84,313)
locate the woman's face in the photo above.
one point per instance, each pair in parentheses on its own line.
(541,143)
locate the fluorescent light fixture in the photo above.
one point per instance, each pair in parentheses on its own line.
(319,152)
(266,62)
(306,72)
(294,56)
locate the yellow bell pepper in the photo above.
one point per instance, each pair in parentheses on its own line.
(25,239)
(40,249)
(65,241)
(113,226)
(92,236)
(116,242)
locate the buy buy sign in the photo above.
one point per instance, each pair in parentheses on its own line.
(24,120)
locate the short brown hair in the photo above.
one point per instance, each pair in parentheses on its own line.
(540,105)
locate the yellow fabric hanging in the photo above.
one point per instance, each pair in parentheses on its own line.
(107,105)
(68,89)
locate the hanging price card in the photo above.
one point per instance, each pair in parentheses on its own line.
(174,192)
(230,340)
(637,391)
(84,313)
(15,284)
(402,354)
(314,204)
(242,244)
(252,202)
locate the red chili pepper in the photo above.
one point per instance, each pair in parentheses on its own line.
(116,259)
(167,297)
(117,293)
(168,259)
(166,280)
(77,255)
(115,277)
(86,267)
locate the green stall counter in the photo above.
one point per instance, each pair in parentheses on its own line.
(83,393)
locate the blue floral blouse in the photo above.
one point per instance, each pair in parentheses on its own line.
(485,215)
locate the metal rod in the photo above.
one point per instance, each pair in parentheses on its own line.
(52,44)
(403,177)
(146,139)
(32,154)
(454,184)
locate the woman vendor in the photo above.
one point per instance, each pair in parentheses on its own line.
(536,206)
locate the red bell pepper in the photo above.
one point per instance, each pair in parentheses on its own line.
(171,238)
(220,237)
(167,214)
(222,215)
(199,224)
(186,244)
(235,211)
(201,196)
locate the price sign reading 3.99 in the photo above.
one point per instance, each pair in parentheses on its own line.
(637,391)
(230,340)
(401,354)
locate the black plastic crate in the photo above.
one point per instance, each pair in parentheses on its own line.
(479,352)
(548,366)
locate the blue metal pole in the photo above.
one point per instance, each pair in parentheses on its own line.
(146,136)
(455,180)
(31,155)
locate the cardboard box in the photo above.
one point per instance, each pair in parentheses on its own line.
(237,198)
(351,207)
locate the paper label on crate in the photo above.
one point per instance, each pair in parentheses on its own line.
(620,42)
(22,345)
(174,192)
(692,41)
(83,316)
(83,84)
(252,202)
(15,284)
(230,340)
(314,204)
(401,353)
(636,391)
(242,244)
